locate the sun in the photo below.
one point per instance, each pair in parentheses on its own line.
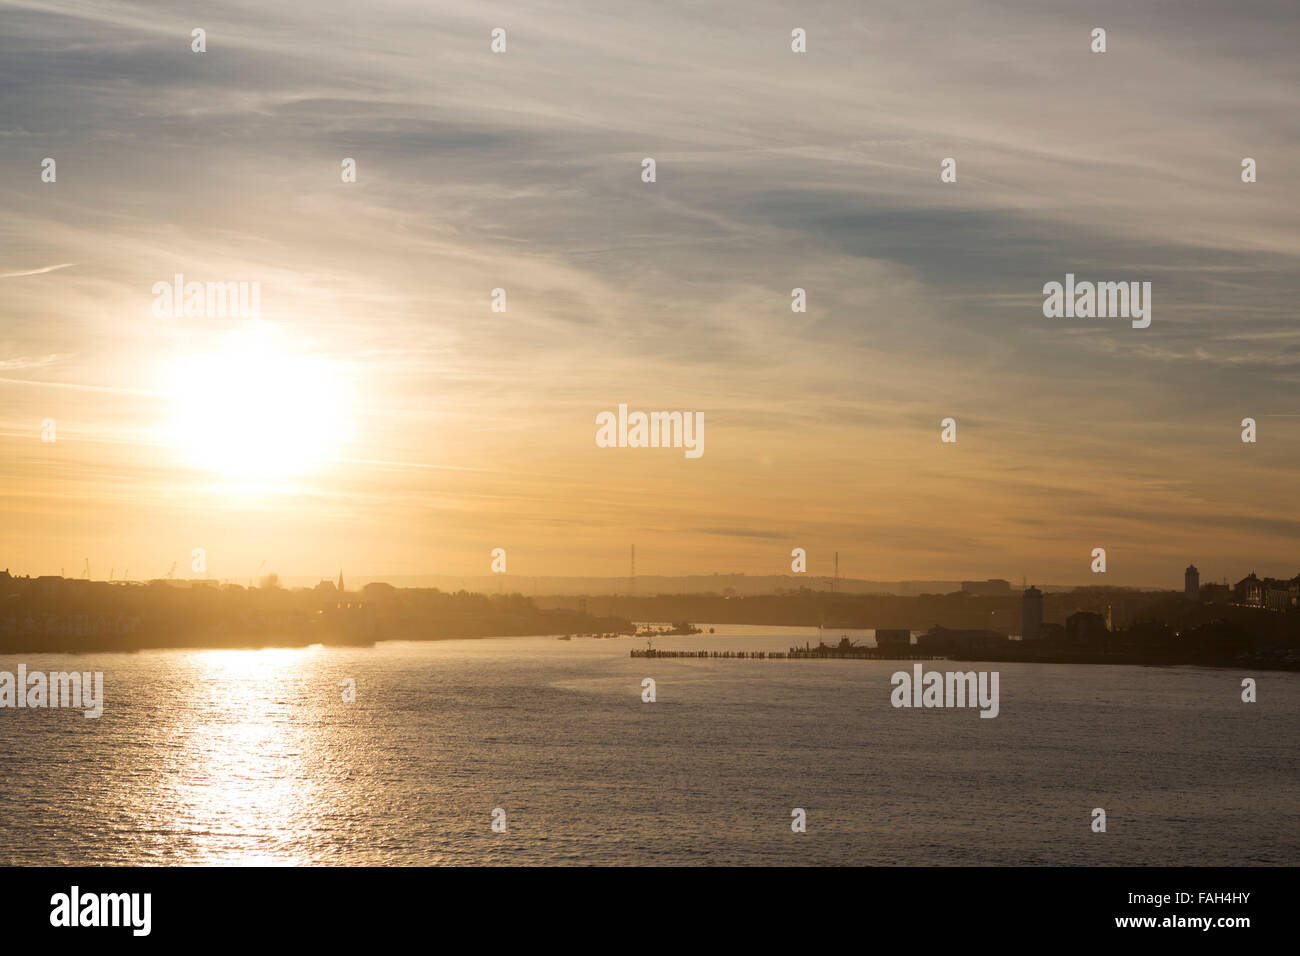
(250,410)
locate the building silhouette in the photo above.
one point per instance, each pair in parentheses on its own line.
(1086,628)
(954,640)
(893,638)
(1031,614)
(1249,590)
(1192,583)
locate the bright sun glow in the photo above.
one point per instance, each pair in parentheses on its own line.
(249,410)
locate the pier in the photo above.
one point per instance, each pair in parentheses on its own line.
(795,654)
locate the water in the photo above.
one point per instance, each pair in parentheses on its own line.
(232,757)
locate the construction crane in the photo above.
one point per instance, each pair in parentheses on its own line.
(172,573)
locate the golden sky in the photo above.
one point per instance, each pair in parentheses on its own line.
(380,417)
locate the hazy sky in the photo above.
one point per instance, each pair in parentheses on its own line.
(428,429)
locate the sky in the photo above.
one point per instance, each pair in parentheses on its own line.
(380,417)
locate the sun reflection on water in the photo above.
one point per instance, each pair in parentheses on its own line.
(241,763)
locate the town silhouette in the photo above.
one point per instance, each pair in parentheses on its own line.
(1254,622)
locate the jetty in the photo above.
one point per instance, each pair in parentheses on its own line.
(844,650)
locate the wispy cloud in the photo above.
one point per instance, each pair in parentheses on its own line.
(24,362)
(36,272)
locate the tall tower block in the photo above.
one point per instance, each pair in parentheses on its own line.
(1031,614)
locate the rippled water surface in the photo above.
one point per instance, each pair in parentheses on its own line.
(226,757)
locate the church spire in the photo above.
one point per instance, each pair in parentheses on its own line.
(340,579)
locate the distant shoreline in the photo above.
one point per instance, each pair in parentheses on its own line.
(874,654)
(83,648)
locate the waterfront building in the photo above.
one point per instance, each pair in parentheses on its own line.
(1031,614)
